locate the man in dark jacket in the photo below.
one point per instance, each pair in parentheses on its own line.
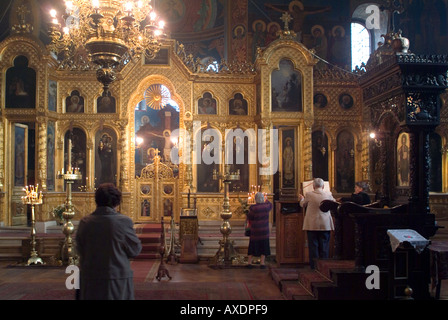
(106,240)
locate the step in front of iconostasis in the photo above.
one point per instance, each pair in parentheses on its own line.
(150,235)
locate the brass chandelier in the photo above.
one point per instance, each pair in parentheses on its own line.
(107,33)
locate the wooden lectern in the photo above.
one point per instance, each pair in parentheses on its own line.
(189,236)
(290,238)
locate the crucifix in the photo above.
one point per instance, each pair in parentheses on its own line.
(286,34)
(286,18)
(22,11)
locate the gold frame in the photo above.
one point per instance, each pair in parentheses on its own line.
(295,157)
(13,155)
(17,191)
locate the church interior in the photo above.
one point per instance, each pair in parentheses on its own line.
(192,111)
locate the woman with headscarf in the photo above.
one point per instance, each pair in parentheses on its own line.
(258,217)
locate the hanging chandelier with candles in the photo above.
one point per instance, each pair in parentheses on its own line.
(106,33)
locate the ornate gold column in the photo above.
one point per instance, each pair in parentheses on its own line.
(124,159)
(307,151)
(42,152)
(365,172)
(189,166)
(2,154)
(266,180)
(2,170)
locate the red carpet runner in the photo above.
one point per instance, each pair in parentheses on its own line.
(150,236)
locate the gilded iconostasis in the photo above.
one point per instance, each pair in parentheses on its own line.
(223,66)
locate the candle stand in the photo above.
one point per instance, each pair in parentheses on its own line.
(226,254)
(33,198)
(68,254)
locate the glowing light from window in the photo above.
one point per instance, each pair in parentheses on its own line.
(360,44)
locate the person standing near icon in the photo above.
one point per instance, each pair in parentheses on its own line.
(317,224)
(258,217)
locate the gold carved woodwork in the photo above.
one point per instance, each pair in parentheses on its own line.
(186,84)
(157,193)
(188,226)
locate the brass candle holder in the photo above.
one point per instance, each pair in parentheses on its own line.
(226,253)
(33,198)
(73,174)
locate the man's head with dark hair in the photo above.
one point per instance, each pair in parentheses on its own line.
(107,195)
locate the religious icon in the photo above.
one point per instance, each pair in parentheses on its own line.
(167,207)
(106,104)
(239,32)
(106,156)
(338,47)
(272,29)
(20,154)
(345,101)
(206,104)
(145,209)
(50,156)
(152,152)
(259,37)
(74,103)
(403,160)
(167,189)
(168,145)
(20,85)
(319,42)
(320,100)
(320,155)
(205,181)
(286,90)
(52,94)
(145,189)
(288,162)
(238,105)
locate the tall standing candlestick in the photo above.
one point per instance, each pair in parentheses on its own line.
(69,255)
(226,254)
(33,198)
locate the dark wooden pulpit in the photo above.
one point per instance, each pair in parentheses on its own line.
(290,238)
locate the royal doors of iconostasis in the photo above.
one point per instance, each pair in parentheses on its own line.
(157,192)
(157,177)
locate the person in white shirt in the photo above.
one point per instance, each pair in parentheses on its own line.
(317,223)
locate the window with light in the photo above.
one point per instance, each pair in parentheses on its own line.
(360,44)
